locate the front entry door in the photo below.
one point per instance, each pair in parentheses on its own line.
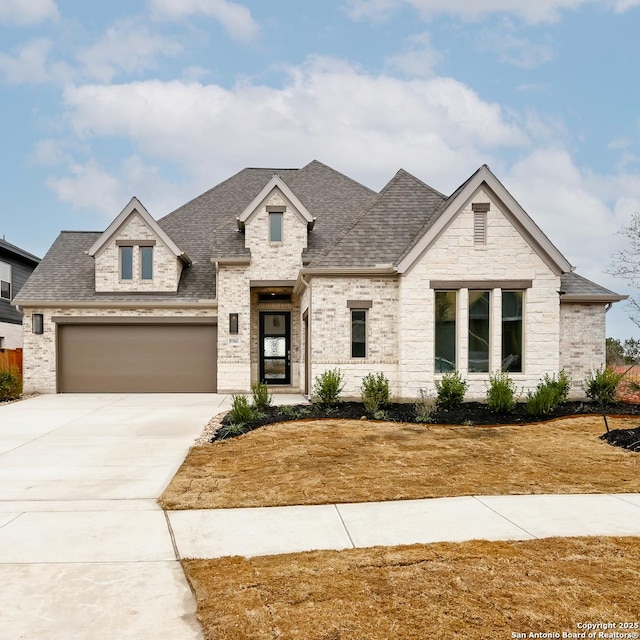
(275,347)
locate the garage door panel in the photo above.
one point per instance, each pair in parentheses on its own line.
(137,358)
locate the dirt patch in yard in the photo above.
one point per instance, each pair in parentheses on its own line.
(333,461)
(474,591)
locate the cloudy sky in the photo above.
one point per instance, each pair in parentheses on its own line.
(163,99)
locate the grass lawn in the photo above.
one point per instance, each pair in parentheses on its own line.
(472,590)
(332,461)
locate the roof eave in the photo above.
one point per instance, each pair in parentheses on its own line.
(594,298)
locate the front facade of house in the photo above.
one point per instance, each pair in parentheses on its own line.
(16,265)
(276,275)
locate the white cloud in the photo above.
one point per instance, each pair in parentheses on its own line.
(31,64)
(369,125)
(27,12)
(532,12)
(514,50)
(127,46)
(234,17)
(417,59)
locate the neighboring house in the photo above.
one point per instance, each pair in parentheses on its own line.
(280,274)
(16,266)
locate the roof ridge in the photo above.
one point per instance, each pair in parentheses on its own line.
(344,175)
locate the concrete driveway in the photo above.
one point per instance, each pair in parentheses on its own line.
(85,552)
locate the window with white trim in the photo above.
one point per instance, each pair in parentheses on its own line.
(275,226)
(5,280)
(146,263)
(126,263)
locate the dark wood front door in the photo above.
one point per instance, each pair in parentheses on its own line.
(275,347)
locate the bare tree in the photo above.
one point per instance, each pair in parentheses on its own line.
(626,264)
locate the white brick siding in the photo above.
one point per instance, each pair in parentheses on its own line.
(166,267)
(11,335)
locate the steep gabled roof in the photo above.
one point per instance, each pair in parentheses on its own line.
(385,228)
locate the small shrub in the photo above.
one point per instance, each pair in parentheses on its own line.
(425,407)
(380,414)
(10,384)
(328,386)
(293,412)
(602,385)
(241,411)
(261,398)
(450,390)
(375,392)
(501,392)
(550,392)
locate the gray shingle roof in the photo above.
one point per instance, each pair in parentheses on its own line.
(12,249)
(573,285)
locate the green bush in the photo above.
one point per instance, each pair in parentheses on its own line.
(425,407)
(328,386)
(375,392)
(292,412)
(261,398)
(10,384)
(501,392)
(241,411)
(450,390)
(602,385)
(550,392)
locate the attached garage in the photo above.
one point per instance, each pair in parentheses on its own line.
(124,355)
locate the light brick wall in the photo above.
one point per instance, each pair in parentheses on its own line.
(582,341)
(40,353)
(331,329)
(11,335)
(166,267)
(453,256)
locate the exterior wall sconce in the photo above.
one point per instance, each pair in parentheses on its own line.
(233,323)
(37,323)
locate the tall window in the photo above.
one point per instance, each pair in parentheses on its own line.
(512,330)
(275,227)
(479,331)
(358,333)
(5,280)
(126,263)
(146,263)
(445,331)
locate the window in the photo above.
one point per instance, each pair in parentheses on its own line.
(126,263)
(445,331)
(5,280)
(146,263)
(479,324)
(275,227)
(358,333)
(512,331)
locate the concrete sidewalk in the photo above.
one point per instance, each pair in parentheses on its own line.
(274,530)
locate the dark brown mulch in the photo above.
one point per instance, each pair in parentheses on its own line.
(469,413)
(625,438)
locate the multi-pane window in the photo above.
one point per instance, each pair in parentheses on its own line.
(512,330)
(5,280)
(445,331)
(126,263)
(146,263)
(479,331)
(358,333)
(275,226)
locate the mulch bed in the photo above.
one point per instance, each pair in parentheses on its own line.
(468,413)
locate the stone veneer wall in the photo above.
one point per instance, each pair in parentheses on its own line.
(582,341)
(11,335)
(166,266)
(453,256)
(40,353)
(331,329)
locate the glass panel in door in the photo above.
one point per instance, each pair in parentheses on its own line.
(275,347)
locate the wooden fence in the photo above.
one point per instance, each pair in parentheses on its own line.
(10,358)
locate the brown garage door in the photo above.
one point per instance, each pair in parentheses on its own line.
(136,358)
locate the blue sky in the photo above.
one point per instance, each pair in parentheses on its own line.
(163,99)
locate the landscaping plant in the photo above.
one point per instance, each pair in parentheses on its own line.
(550,392)
(328,386)
(10,384)
(425,406)
(375,392)
(261,398)
(241,411)
(602,385)
(450,390)
(501,392)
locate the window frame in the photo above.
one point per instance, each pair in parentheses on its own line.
(490,328)
(142,250)
(273,216)
(8,282)
(129,249)
(365,323)
(503,356)
(455,292)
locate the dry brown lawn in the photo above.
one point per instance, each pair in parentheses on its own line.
(473,590)
(333,461)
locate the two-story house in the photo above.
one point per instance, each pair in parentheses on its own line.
(276,275)
(16,266)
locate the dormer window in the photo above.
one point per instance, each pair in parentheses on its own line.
(126,263)
(146,263)
(275,226)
